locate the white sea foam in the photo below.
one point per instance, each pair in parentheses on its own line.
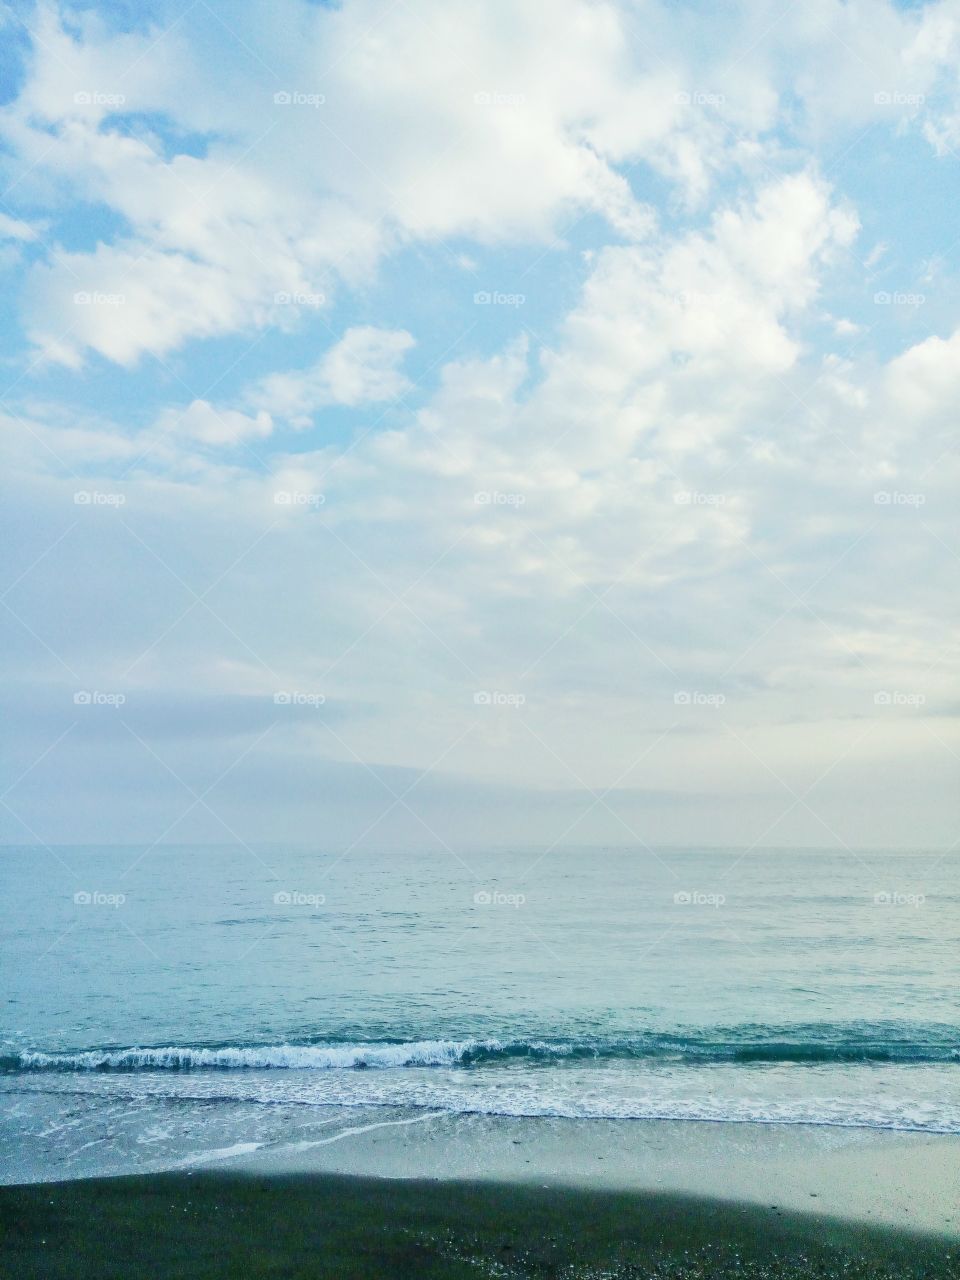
(284,1056)
(905,1097)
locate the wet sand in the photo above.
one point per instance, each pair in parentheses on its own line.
(880,1176)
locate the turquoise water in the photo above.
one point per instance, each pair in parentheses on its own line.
(166,1002)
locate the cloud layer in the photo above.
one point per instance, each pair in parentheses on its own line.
(538,413)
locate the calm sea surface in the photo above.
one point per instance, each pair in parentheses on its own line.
(167,1004)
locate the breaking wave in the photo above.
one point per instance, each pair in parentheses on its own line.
(812,1045)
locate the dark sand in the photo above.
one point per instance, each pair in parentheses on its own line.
(310,1225)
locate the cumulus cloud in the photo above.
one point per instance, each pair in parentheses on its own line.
(399,143)
(358,130)
(925,380)
(210,425)
(361,368)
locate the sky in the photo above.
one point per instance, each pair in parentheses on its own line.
(445,424)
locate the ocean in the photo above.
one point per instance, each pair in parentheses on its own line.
(164,1007)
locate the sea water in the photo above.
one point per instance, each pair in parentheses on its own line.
(165,1006)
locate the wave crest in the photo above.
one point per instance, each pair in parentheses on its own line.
(420,1053)
(744,1045)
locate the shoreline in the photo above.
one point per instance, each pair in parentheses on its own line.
(217,1226)
(894,1179)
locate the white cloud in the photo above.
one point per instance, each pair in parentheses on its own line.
(497,140)
(15,229)
(14,234)
(125,300)
(671,352)
(678,489)
(925,381)
(201,421)
(361,368)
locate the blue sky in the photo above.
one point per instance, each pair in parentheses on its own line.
(549,409)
